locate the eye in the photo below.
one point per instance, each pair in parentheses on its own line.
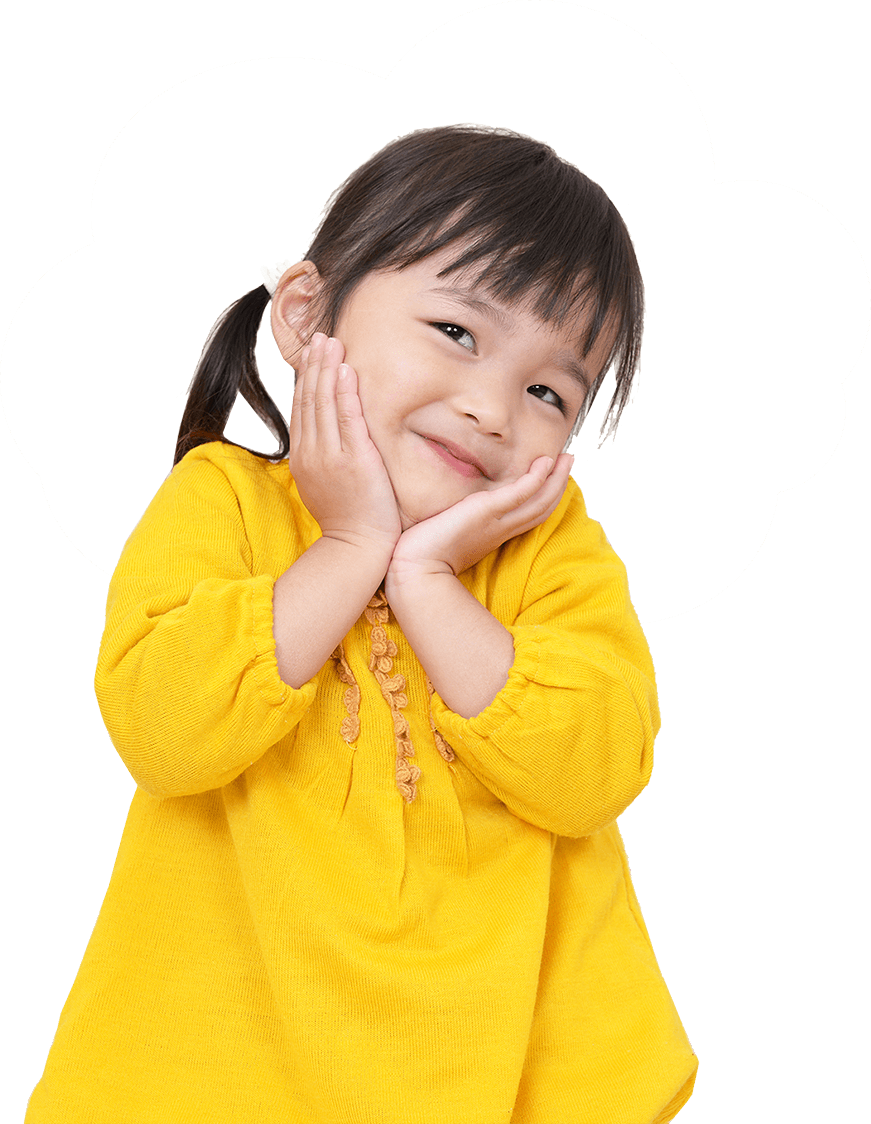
(547,395)
(459,335)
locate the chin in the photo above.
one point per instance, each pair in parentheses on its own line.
(424,503)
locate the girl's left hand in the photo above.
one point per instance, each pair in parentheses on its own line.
(460,536)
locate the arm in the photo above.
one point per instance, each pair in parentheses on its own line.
(344,484)
(204,663)
(433,610)
(567,742)
(186,678)
(433,607)
(316,602)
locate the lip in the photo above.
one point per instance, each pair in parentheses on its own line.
(455,456)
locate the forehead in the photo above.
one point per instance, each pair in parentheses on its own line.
(480,290)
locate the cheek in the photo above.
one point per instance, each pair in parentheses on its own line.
(549,439)
(393,388)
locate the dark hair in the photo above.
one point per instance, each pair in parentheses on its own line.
(532,226)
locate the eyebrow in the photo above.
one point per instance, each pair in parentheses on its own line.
(574,368)
(569,364)
(467,299)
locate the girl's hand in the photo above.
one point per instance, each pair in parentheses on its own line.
(457,538)
(338,470)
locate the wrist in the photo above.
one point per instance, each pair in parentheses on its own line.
(364,561)
(407,567)
(433,608)
(366,545)
(415,555)
(410,579)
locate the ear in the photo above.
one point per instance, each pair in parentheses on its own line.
(293,307)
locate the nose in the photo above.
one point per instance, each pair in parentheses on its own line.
(485,404)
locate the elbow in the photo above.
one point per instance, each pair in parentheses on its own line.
(605,760)
(567,761)
(586,802)
(613,766)
(184,771)
(590,813)
(164,785)
(167,768)
(165,777)
(165,750)
(182,739)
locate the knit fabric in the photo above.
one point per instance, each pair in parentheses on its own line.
(346,904)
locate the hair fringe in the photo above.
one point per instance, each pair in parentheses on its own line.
(532,227)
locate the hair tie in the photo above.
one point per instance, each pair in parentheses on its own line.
(272,274)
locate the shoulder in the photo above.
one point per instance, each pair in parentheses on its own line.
(217,459)
(567,535)
(224,474)
(226,486)
(223,489)
(565,562)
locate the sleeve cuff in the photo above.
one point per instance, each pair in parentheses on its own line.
(533,663)
(265,668)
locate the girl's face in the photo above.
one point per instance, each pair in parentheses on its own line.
(460,392)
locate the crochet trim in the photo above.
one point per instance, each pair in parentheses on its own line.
(393,688)
(351,724)
(441,745)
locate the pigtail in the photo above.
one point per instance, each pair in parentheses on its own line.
(227,367)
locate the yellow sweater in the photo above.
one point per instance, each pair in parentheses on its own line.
(346,904)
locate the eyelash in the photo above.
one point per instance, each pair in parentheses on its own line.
(449,330)
(558,402)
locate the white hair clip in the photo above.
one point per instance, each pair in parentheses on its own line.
(271,274)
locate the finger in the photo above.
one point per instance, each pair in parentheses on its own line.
(353,431)
(529,500)
(548,495)
(517,492)
(562,470)
(551,475)
(325,417)
(307,391)
(543,503)
(295,428)
(303,397)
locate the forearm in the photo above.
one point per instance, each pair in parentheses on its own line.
(464,650)
(316,602)
(568,743)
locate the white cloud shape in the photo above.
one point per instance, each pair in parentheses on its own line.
(756,296)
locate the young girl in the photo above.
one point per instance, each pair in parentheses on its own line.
(384,694)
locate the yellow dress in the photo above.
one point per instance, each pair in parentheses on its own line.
(346,904)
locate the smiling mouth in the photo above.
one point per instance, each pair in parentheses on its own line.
(455,457)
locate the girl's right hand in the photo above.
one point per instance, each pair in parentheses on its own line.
(338,470)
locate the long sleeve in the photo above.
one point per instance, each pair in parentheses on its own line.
(473,967)
(567,744)
(187,679)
